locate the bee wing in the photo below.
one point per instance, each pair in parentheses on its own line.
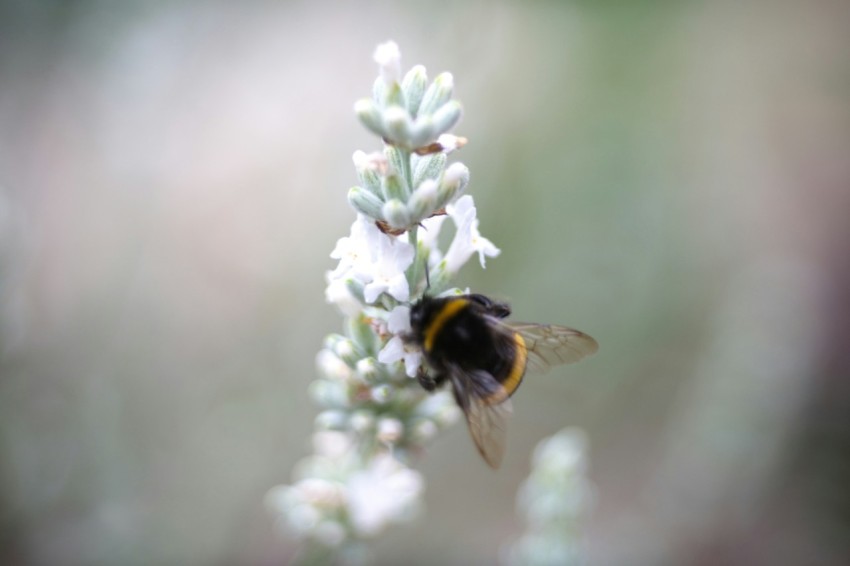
(488,427)
(487,421)
(550,344)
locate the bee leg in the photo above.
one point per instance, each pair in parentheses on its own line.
(429,382)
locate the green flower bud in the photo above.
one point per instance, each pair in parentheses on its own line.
(423,132)
(414,84)
(396,125)
(446,116)
(396,214)
(454,181)
(423,201)
(370,116)
(428,167)
(393,96)
(331,419)
(437,94)
(365,202)
(394,187)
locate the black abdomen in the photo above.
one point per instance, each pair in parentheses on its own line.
(469,340)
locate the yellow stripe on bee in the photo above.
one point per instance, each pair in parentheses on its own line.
(450,309)
(514,378)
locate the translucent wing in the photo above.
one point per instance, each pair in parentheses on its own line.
(487,421)
(550,344)
(487,425)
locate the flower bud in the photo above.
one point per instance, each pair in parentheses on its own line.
(370,116)
(381,393)
(454,181)
(437,94)
(396,214)
(390,430)
(365,202)
(330,394)
(414,84)
(396,125)
(428,167)
(394,96)
(367,370)
(447,116)
(423,201)
(388,57)
(424,430)
(361,421)
(331,419)
(422,132)
(394,187)
(369,169)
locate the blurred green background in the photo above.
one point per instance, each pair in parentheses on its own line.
(672,178)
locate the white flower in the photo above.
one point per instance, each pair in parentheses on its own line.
(390,430)
(332,443)
(375,161)
(428,234)
(398,322)
(319,492)
(468,239)
(383,493)
(451,142)
(396,350)
(355,252)
(388,57)
(440,407)
(337,293)
(373,258)
(391,258)
(331,366)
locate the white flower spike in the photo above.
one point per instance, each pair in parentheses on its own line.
(372,419)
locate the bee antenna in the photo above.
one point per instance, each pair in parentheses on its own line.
(427,278)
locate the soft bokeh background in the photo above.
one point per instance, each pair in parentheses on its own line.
(673,178)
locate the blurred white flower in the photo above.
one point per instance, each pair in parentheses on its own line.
(333,444)
(388,57)
(329,364)
(398,322)
(370,257)
(337,293)
(439,407)
(468,239)
(396,350)
(390,430)
(428,234)
(391,259)
(451,142)
(329,532)
(355,251)
(553,501)
(301,518)
(375,161)
(319,492)
(383,493)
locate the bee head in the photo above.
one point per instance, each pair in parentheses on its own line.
(419,314)
(422,310)
(419,309)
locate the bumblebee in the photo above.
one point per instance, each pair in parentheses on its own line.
(466,341)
